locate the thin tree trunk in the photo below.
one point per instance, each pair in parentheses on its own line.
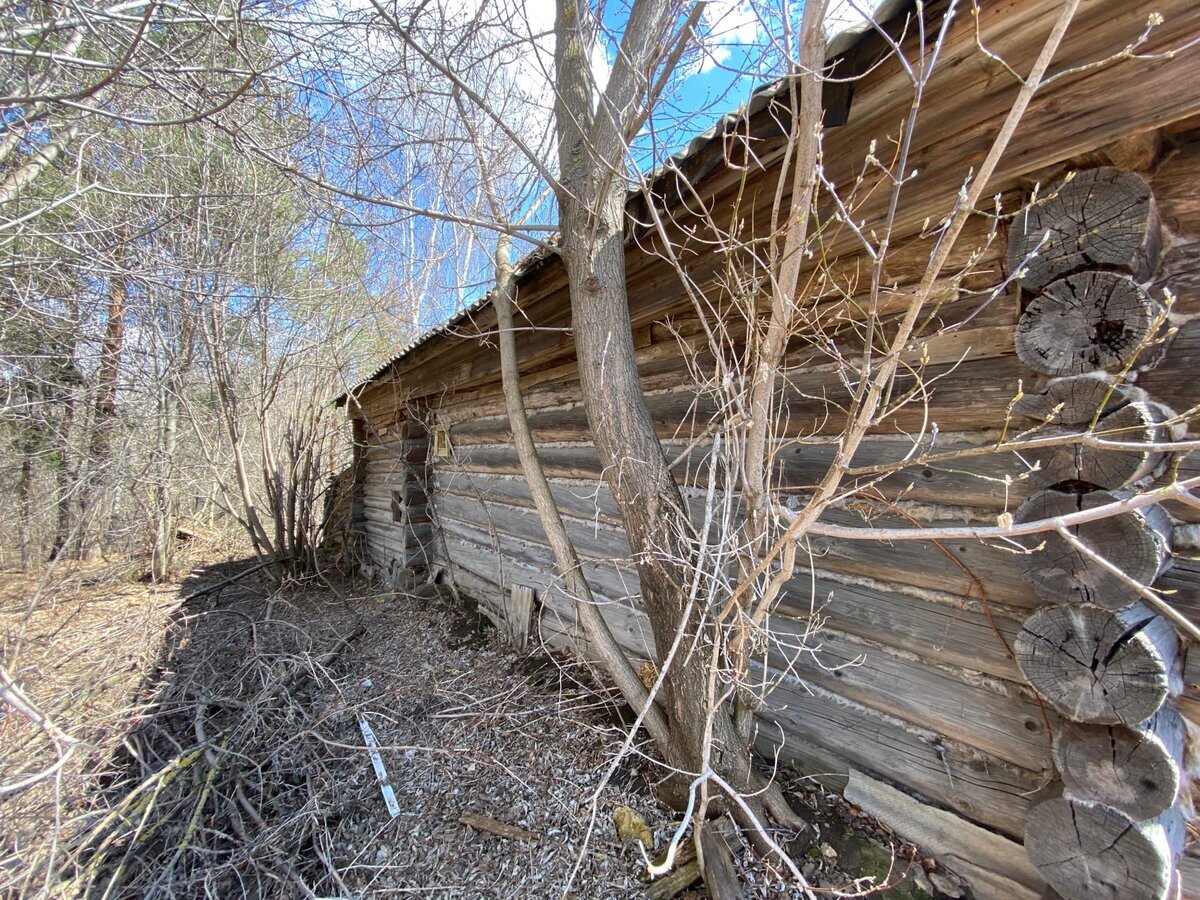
(260,540)
(65,523)
(603,643)
(803,155)
(24,505)
(66,471)
(592,211)
(164,504)
(105,415)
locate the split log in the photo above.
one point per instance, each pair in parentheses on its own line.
(1133,769)
(1089,851)
(1135,542)
(488,825)
(720,876)
(1075,399)
(1088,321)
(1100,218)
(1095,665)
(1102,467)
(519,613)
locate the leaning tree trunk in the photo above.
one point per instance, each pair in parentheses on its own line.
(591,197)
(651,505)
(603,643)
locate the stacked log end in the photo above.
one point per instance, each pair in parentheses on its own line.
(1096,665)
(1109,412)
(1135,769)
(1084,322)
(1086,849)
(1101,218)
(1136,542)
(1112,826)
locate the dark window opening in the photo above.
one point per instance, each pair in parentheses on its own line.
(397,508)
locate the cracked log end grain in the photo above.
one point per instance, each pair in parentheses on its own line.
(1095,665)
(1099,219)
(1089,851)
(1085,322)
(1135,769)
(1074,400)
(1103,467)
(1136,542)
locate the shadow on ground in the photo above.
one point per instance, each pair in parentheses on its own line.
(242,769)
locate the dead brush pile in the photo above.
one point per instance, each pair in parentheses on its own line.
(210,739)
(76,643)
(240,770)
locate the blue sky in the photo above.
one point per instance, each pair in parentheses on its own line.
(735,55)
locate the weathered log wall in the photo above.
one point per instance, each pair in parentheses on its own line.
(395,508)
(953,670)
(1097,653)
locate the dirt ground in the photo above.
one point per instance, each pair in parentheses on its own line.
(207,739)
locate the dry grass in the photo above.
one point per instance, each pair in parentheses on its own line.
(78,643)
(220,754)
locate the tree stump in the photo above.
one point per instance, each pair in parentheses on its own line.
(1096,665)
(1131,768)
(1085,322)
(1099,219)
(1135,542)
(1089,851)
(1103,467)
(1075,399)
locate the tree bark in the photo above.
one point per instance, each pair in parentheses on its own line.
(45,156)
(591,198)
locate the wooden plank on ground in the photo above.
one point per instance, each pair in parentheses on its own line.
(519,612)
(980,787)
(994,866)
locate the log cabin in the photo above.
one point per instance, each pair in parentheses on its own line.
(1025,717)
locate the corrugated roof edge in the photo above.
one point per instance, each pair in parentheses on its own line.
(841,44)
